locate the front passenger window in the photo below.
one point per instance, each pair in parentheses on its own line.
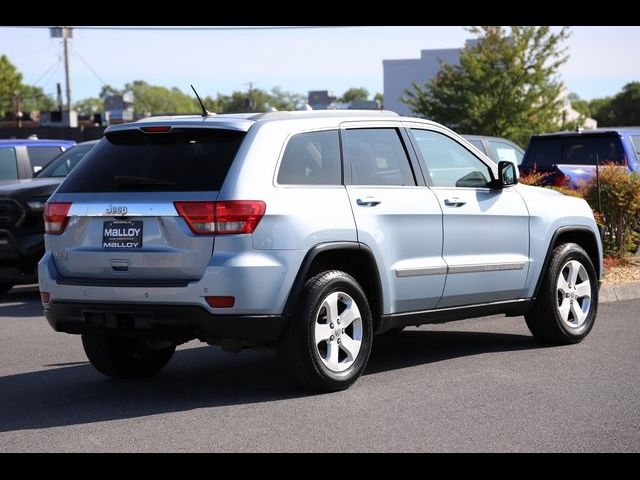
(448,163)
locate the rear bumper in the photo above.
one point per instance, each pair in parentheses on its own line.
(181,322)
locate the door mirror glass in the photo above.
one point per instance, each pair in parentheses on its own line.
(507,174)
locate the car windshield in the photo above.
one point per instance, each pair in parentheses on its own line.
(60,166)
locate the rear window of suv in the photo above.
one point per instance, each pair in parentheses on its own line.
(579,150)
(182,160)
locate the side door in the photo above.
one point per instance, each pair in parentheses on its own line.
(396,215)
(486,231)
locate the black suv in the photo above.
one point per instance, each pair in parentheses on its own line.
(21,224)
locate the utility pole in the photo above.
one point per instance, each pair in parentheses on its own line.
(18,112)
(251,103)
(66,33)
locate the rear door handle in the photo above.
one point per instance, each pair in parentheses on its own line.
(368,202)
(454,202)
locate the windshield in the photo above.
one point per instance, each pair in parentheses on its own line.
(61,165)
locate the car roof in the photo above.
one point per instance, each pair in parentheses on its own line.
(484,137)
(243,121)
(595,131)
(43,142)
(88,142)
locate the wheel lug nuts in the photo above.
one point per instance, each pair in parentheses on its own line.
(339,342)
(338,321)
(343,330)
(332,338)
(331,325)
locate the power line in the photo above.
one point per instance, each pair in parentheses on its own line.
(77,54)
(35,84)
(53,74)
(194,29)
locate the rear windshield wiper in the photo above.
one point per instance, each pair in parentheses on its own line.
(123,181)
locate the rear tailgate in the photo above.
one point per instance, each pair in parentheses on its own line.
(122,221)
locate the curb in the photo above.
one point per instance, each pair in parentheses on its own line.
(617,293)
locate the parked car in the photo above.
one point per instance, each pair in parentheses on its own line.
(306,231)
(23,158)
(569,158)
(497,148)
(21,223)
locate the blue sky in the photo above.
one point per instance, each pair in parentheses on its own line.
(602,60)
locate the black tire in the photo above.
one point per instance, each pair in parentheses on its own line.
(5,287)
(544,319)
(297,346)
(124,358)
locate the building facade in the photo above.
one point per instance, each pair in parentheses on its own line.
(399,75)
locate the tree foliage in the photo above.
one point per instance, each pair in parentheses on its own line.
(621,110)
(354,94)
(579,105)
(31,98)
(506,85)
(90,105)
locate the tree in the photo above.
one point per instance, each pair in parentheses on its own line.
(600,109)
(380,99)
(621,110)
(10,82)
(88,106)
(283,100)
(156,100)
(506,85)
(354,94)
(579,105)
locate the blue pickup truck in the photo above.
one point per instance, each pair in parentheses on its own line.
(569,158)
(22,158)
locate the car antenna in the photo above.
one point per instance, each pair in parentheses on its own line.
(205,112)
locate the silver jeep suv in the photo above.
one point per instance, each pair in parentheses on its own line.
(307,231)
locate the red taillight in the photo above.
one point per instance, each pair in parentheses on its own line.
(156,129)
(45,297)
(198,215)
(238,216)
(221,302)
(220,218)
(55,217)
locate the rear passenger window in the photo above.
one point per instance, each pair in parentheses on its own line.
(378,157)
(8,164)
(312,159)
(40,156)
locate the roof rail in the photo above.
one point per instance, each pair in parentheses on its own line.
(322,113)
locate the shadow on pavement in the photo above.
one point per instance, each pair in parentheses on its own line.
(207,377)
(417,347)
(23,301)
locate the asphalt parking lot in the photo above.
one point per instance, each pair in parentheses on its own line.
(475,385)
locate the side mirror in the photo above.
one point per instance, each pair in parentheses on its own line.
(507,174)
